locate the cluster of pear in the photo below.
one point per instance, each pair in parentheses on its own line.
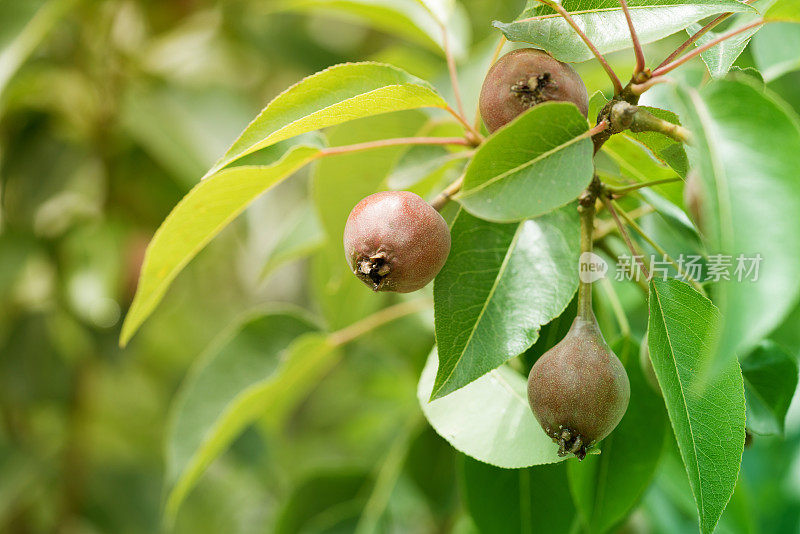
(396,241)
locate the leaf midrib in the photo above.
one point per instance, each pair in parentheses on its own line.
(500,273)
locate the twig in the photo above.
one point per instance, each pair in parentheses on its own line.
(658,248)
(608,226)
(451,67)
(382,143)
(444,197)
(660,71)
(620,190)
(571,21)
(473,137)
(637,46)
(638,89)
(625,236)
(378,319)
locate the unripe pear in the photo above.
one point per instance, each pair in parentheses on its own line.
(579,390)
(524,78)
(395,241)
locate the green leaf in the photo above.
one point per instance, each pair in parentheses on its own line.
(605,25)
(198,217)
(636,160)
(251,369)
(784,10)
(708,418)
(500,284)
(720,57)
(415,20)
(337,94)
(770,380)
(607,486)
(489,419)
(775,50)
(540,161)
(517,500)
(750,186)
(664,148)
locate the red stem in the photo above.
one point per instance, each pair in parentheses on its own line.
(571,21)
(699,50)
(637,46)
(346,149)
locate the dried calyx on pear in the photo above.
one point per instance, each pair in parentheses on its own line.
(395,241)
(525,78)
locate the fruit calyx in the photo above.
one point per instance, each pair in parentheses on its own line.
(533,90)
(373,270)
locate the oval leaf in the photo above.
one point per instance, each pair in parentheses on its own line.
(489,419)
(539,162)
(708,418)
(197,218)
(750,186)
(605,24)
(337,94)
(247,372)
(500,284)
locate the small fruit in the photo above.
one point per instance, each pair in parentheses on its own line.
(578,390)
(395,241)
(524,78)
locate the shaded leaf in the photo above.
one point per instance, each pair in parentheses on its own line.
(255,367)
(522,501)
(775,50)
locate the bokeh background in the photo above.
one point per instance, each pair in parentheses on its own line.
(110,111)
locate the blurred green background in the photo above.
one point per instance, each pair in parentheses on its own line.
(109,112)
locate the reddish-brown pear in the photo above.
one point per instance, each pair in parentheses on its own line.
(579,390)
(395,241)
(524,78)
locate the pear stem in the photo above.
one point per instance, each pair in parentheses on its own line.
(587,211)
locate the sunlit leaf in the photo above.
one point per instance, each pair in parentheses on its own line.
(198,217)
(337,94)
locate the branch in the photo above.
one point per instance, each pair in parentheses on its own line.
(637,46)
(625,116)
(660,71)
